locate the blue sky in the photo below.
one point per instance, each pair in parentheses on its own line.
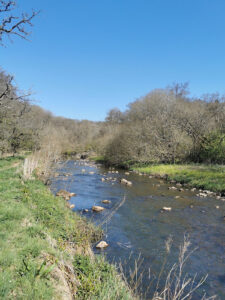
(87,56)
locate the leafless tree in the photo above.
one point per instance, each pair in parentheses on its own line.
(180,90)
(12,24)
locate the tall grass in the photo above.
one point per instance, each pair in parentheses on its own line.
(179,285)
(173,285)
(40,161)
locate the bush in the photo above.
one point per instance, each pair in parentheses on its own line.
(213,148)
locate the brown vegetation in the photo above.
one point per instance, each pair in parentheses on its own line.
(167,126)
(164,126)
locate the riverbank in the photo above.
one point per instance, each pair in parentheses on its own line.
(45,247)
(207,177)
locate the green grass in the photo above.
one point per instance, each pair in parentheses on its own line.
(210,177)
(97,159)
(37,233)
(99,280)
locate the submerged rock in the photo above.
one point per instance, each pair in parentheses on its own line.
(97,208)
(102,245)
(126,182)
(106,201)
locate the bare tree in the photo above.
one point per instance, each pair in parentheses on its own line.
(180,90)
(12,24)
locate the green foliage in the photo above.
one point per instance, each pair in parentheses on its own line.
(99,280)
(213,148)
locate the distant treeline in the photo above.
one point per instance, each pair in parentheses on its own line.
(25,126)
(165,126)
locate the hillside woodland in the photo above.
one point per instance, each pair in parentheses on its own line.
(165,126)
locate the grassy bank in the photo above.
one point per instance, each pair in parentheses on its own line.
(44,247)
(209,177)
(97,159)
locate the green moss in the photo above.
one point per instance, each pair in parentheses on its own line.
(210,177)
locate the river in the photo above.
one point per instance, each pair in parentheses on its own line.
(137,231)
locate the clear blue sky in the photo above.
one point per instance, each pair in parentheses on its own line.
(88,56)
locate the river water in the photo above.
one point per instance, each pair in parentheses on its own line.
(137,230)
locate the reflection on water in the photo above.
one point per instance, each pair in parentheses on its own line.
(139,228)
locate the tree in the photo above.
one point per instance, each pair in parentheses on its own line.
(13,107)
(180,90)
(12,24)
(114,116)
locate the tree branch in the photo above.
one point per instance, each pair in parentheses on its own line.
(14,25)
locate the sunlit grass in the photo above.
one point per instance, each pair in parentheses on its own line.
(37,233)
(211,177)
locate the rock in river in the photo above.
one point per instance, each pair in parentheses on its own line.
(102,245)
(97,208)
(71,206)
(124,181)
(172,188)
(166,208)
(106,201)
(66,195)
